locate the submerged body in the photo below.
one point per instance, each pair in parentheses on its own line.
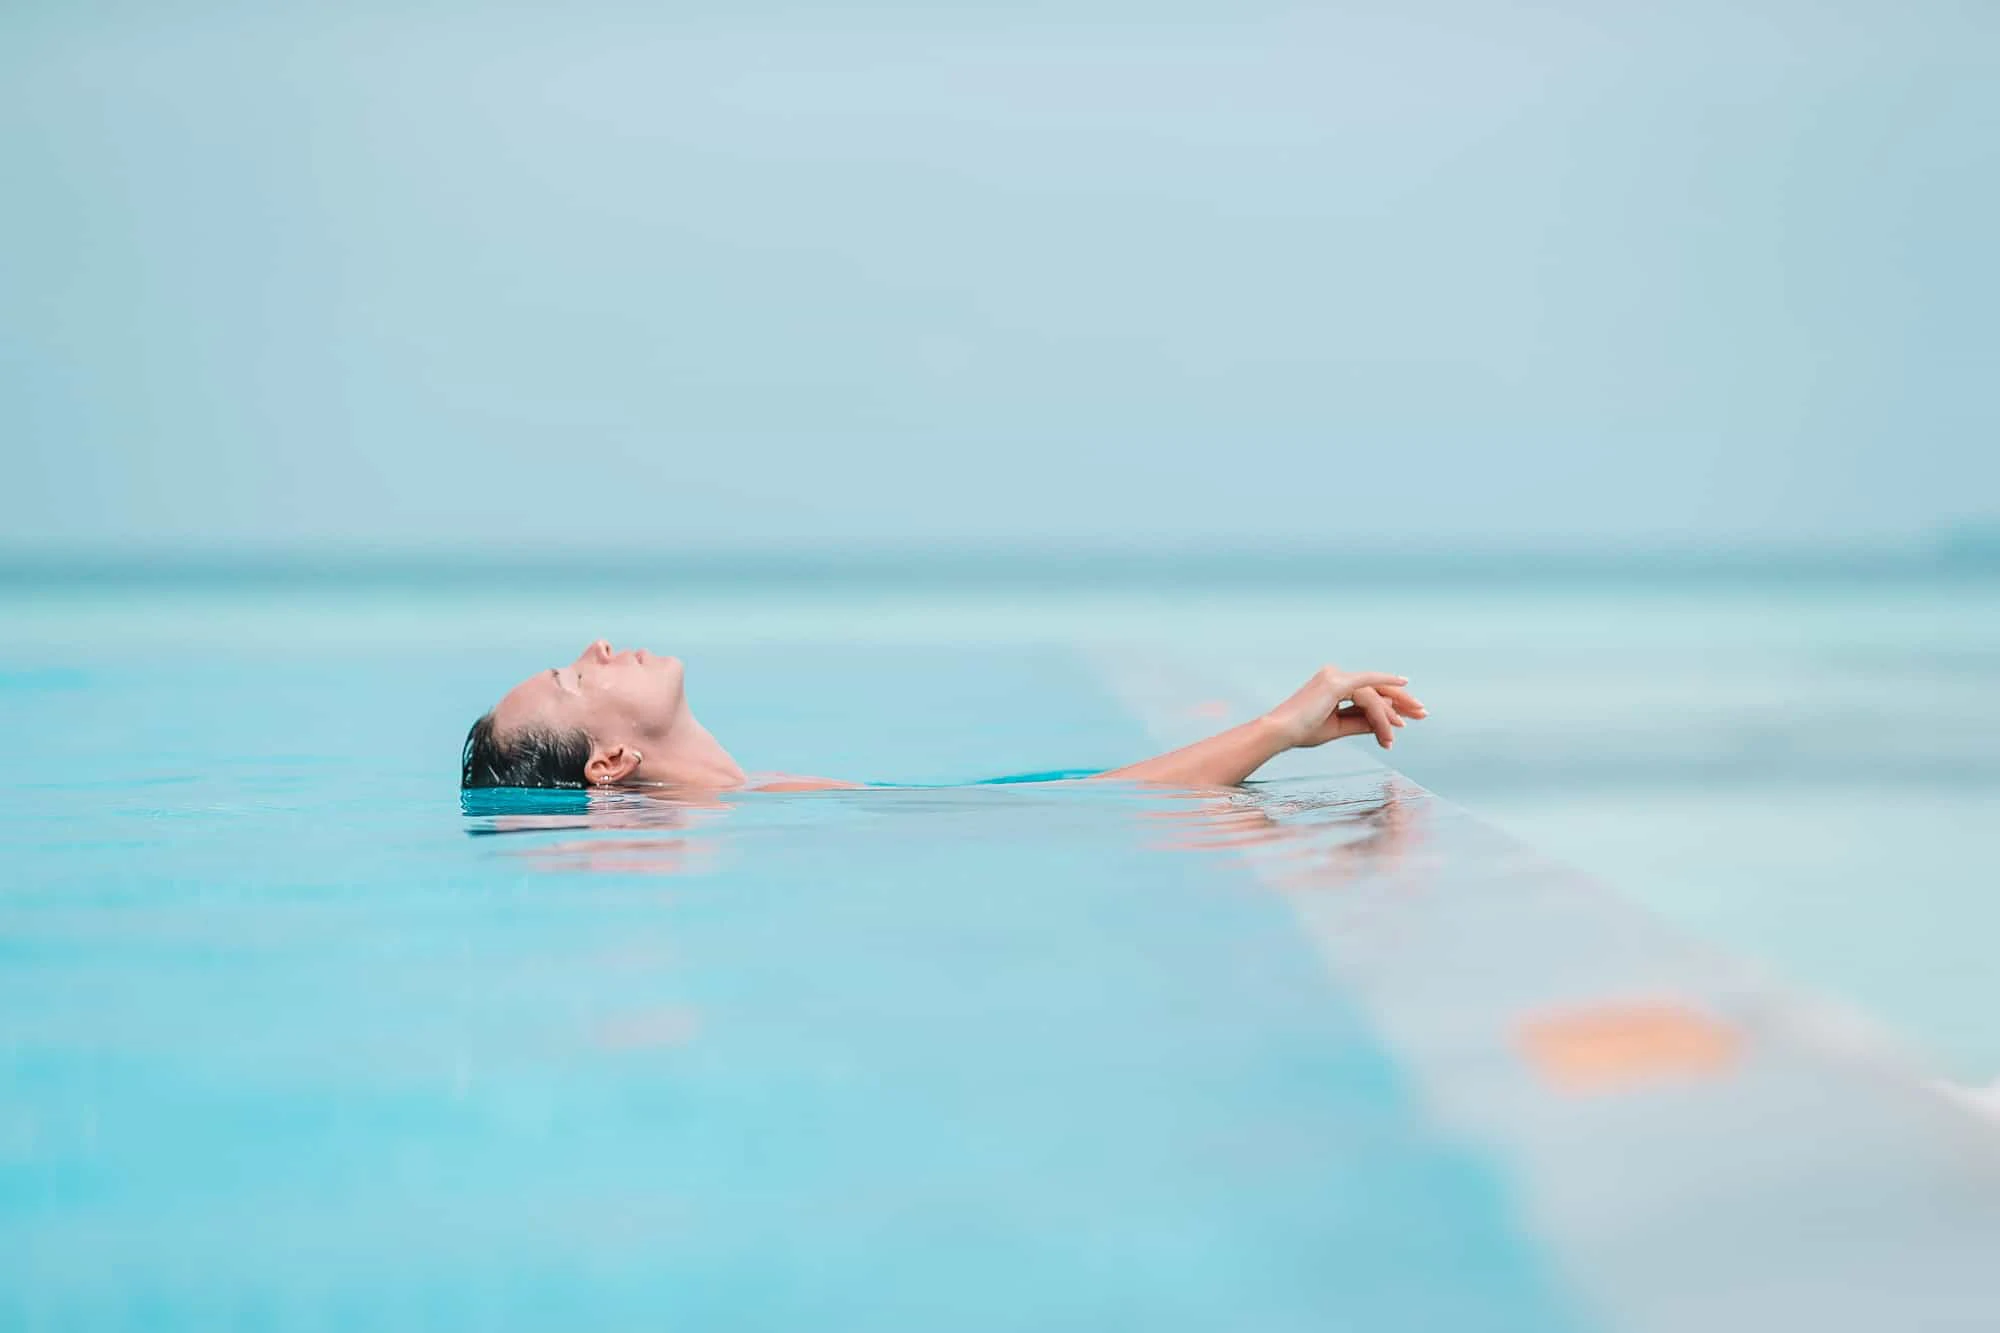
(622,719)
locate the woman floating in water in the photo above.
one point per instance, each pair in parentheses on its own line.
(612,719)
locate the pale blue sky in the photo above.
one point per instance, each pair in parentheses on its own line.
(743,274)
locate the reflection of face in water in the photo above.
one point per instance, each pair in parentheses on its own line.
(615,833)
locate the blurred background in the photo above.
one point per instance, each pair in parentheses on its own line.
(1621,372)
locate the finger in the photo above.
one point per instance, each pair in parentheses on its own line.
(1346,720)
(1377,709)
(1361,678)
(1402,700)
(1374,695)
(1353,722)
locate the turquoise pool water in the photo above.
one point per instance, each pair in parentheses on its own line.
(289,1038)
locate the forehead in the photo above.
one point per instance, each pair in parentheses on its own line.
(536,699)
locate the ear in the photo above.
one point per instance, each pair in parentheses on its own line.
(610,765)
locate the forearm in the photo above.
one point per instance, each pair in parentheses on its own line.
(1220,761)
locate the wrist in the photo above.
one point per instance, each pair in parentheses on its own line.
(1276,734)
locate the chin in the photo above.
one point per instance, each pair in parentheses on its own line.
(669,678)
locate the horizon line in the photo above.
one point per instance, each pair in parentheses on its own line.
(1974,553)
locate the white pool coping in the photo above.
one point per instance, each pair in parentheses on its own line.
(1819,1182)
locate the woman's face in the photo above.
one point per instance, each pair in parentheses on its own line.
(618,698)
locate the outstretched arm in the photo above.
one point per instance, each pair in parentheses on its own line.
(1334,703)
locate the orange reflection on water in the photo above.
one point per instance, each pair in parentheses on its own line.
(1613,1046)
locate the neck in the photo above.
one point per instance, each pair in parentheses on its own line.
(687,756)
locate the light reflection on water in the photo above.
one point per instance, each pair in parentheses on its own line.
(1300,836)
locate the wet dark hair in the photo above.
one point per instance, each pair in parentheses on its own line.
(530,757)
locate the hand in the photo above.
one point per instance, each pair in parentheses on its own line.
(1314,715)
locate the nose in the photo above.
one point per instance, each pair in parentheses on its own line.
(599,651)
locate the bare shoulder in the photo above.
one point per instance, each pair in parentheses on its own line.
(794,782)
